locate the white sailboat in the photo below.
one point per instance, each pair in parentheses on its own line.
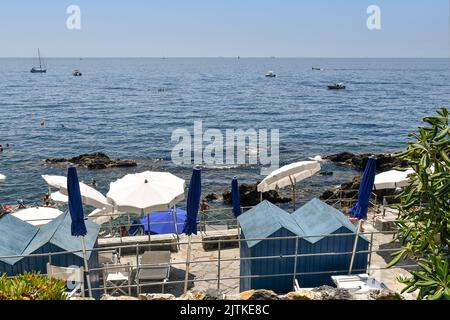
(39,69)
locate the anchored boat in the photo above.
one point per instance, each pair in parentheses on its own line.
(39,69)
(336,86)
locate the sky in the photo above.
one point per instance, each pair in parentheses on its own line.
(227,28)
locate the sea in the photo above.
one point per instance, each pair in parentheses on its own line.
(129,109)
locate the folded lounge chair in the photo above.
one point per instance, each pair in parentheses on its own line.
(154,267)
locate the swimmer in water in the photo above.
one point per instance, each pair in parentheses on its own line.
(42,123)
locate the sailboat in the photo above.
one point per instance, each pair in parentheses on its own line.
(39,69)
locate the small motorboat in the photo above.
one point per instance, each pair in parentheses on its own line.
(270,74)
(77,73)
(336,86)
(317,69)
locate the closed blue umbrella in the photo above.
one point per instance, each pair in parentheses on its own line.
(193,202)
(235,197)
(78,227)
(365,190)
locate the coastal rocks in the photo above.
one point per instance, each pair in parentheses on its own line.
(384,294)
(193,295)
(330,293)
(93,161)
(120,298)
(346,190)
(385,162)
(211,197)
(251,197)
(259,295)
(81,299)
(156,296)
(300,295)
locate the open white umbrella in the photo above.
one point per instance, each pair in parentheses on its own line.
(392,179)
(89,195)
(59,198)
(146,191)
(37,216)
(289,175)
(2,178)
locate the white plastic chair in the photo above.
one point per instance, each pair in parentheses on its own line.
(74,277)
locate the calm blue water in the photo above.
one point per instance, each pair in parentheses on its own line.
(117,107)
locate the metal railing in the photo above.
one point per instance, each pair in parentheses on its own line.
(100,270)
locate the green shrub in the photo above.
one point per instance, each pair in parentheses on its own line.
(424,221)
(31,286)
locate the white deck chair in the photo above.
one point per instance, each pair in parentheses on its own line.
(116,276)
(74,277)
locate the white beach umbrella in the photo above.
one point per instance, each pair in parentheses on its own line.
(101,216)
(37,216)
(58,197)
(89,195)
(145,192)
(392,179)
(289,175)
(2,178)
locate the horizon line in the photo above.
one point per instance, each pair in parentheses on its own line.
(220,57)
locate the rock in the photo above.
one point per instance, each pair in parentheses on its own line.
(259,295)
(211,197)
(330,293)
(325,173)
(385,162)
(213,294)
(81,298)
(251,197)
(232,297)
(156,296)
(384,294)
(193,295)
(120,298)
(350,189)
(300,295)
(93,161)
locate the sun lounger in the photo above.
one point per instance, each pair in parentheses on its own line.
(154,267)
(215,233)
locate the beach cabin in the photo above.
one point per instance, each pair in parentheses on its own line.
(262,225)
(21,238)
(321,229)
(324,222)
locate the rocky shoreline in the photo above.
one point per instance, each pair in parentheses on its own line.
(321,293)
(93,161)
(349,190)
(385,161)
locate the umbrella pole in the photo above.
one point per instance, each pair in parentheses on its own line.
(355,245)
(188,261)
(86,266)
(293,193)
(148,226)
(175,220)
